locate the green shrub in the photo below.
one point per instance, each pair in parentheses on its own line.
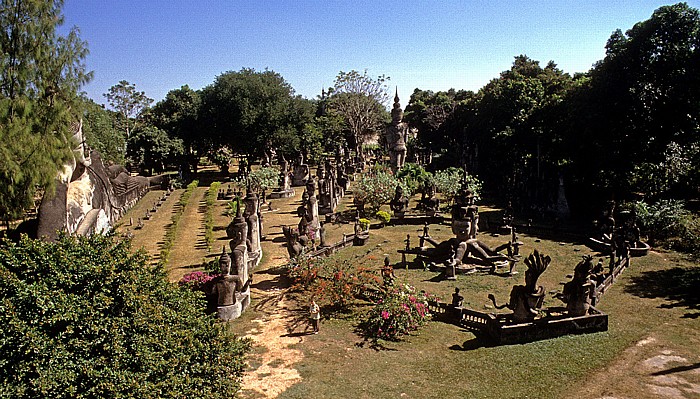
(375,190)
(264,178)
(87,318)
(448,182)
(399,312)
(383,216)
(172,229)
(210,200)
(364,224)
(413,177)
(667,223)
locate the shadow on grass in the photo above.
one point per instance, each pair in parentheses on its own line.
(436,279)
(677,285)
(275,284)
(474,343)
(374,345)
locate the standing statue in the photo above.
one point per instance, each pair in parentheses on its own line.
(396,136)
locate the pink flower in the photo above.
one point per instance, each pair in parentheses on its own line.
(385,314)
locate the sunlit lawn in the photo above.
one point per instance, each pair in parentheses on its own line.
(442,360)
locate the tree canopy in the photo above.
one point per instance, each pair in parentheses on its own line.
(41,73)
(254,113)
(360,101)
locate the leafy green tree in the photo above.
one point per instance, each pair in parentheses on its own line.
(129,103)
(178,115)
(40,75)
(333,130)
(250,112)
(151,149)
(87,318)
(641,97)
(361,101)
(430,113)
(101,132)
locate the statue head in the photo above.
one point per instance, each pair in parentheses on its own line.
(583,269)
(225,262)
(536,265)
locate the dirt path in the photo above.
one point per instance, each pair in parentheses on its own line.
(281,323)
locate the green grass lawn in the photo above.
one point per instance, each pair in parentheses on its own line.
(445,361)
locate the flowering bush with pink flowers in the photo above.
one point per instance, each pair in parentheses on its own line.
(196,280)
(399,312)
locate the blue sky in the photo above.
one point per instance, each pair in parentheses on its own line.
(431,45)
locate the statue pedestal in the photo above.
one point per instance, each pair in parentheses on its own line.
(229,312)
(360,239)
(280,193)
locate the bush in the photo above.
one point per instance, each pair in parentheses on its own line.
(383,216)
(86,318)
(364,224)
(667,223)
(196,281)
(448,182)
(331,281)
(375,190)
(303,271)
(413,177)
(171,231)
(399,312)
(210,200)
(264,178)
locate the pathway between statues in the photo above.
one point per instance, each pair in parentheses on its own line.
(281,322)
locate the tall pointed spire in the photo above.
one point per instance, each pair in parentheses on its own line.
(396,112)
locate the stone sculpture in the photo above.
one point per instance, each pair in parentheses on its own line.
(396,136)
(526,300)
(399,204)
(578,293)
(295,242)
(301,172)
(89,197)
(284,190)
(224,288)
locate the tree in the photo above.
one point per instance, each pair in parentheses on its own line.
(151,148)
(40,75)
(101,132)
(514,133)
(251,112)
(128,102)
(178,115)
(439,127)
(640,98)
(361,101)
(88,318)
